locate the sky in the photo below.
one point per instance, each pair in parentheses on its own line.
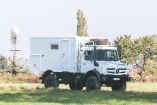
(105,18)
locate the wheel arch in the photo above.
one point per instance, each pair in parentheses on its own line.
(46,73)
(91,73)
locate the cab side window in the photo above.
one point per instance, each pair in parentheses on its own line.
(88,55)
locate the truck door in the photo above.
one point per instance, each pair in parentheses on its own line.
(65,55)
(36,62)
(87,62)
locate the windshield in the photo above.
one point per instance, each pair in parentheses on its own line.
(106,55)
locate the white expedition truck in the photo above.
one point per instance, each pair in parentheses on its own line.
(78,61)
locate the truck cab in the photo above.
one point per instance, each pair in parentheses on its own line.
(107,59)
(104,60)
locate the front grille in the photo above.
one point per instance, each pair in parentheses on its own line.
(110,72)
(116,71)
(111,68)
(122,69)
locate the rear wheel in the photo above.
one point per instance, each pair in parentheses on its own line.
(121,87)
(93,83)
(50,81)
(75,86)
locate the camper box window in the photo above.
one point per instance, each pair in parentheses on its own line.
(54,47)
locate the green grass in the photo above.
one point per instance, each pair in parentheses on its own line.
(35,94)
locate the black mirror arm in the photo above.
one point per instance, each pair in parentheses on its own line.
(95,63)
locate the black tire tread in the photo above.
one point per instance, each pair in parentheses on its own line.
(96,81)
(51,78)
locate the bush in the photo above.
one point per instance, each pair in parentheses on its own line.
(137,78)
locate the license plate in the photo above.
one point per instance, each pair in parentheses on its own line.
(116,79)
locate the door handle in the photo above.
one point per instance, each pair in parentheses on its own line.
(34,65)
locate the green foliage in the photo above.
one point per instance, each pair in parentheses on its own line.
(151,67)
(82,28)
(137,51)
(147,46)
(146,49)
(125,48)
(4,62)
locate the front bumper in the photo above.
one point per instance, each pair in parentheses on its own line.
(115,78)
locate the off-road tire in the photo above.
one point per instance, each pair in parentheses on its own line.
(75,86)
(51,82)
(121,87)
(92,83)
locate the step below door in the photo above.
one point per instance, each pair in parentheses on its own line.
(65,55)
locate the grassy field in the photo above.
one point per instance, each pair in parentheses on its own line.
(35,94)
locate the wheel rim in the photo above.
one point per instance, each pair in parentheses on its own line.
(91,85)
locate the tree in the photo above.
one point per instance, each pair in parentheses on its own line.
(137,51)
(146,49)
(125,49)
(16,65)
(82,28)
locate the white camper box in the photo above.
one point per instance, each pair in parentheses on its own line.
(55,53)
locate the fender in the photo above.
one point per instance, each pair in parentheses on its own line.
(92,73)
(45,74)
(97,73)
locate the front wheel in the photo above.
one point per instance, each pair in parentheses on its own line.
(50,81)
(93,83)
(121,87)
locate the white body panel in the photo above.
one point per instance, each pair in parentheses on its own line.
(62,59)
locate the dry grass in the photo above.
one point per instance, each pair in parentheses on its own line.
(19,78)
(147,78)
(19,87)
